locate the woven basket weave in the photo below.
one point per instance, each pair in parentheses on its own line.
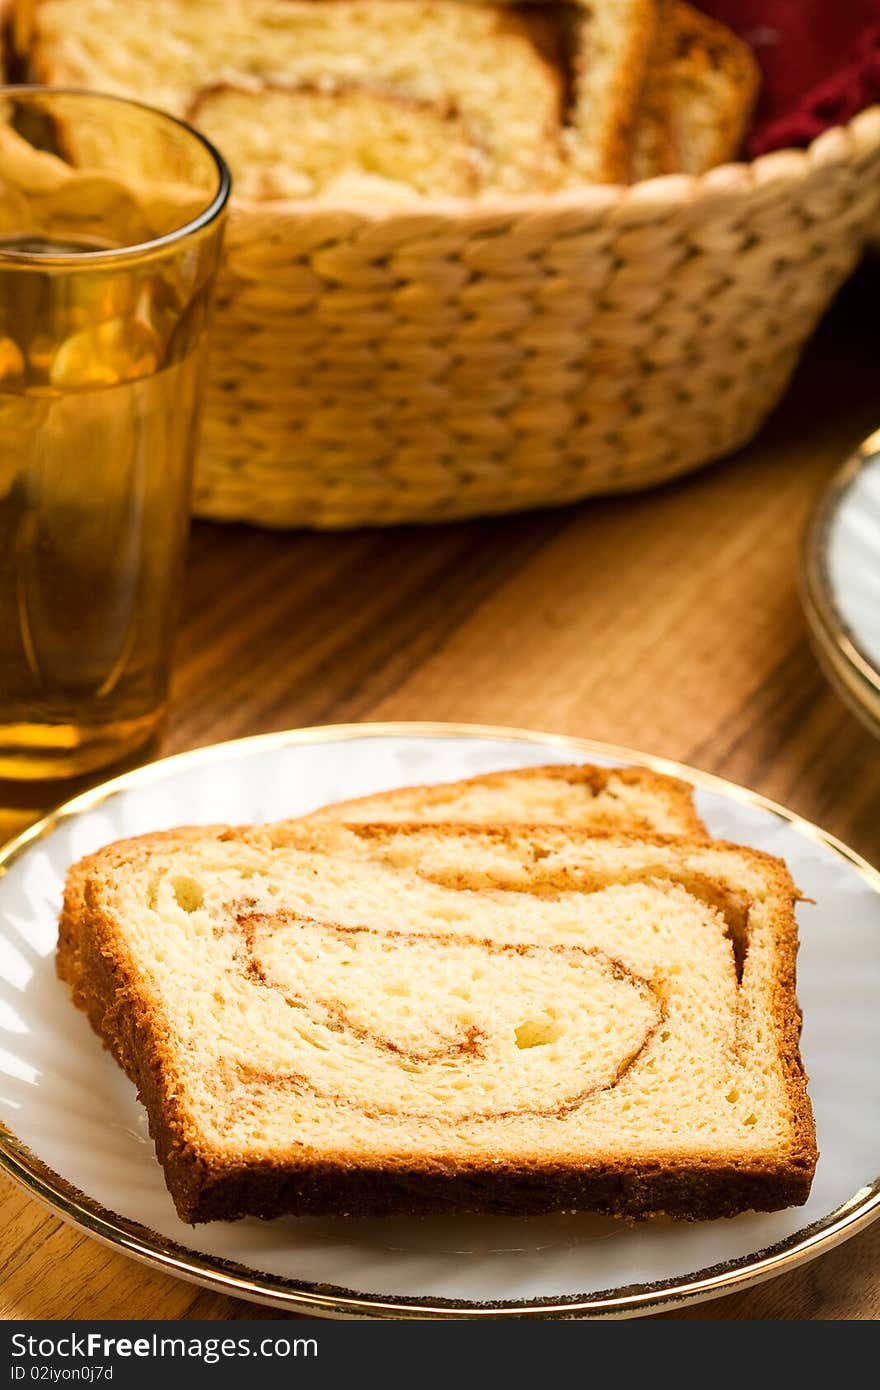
(450,360)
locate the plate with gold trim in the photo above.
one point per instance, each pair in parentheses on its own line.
(73,1134)
(840,581)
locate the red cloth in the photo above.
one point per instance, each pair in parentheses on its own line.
(820,60)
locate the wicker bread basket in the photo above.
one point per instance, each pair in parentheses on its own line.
(450,360)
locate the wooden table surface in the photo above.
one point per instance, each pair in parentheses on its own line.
(668,622)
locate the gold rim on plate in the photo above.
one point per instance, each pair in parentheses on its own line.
(847,666)
(239,1281)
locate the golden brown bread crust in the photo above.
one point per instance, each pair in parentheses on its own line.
(210,1186)
(691,1192)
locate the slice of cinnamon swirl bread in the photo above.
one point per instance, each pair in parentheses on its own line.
(575,795)
(375,1019)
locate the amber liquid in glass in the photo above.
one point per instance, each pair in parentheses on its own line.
(97,435)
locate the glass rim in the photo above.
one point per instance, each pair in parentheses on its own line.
(114,254)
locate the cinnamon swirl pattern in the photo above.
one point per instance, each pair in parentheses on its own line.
(462,1028)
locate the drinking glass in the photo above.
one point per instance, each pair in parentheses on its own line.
(111,221)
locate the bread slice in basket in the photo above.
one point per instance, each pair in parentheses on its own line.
(361,1019)
(712,85)
(697,97)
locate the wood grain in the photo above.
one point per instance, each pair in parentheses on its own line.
(668,621)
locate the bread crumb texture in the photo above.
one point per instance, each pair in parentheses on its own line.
(449,1001)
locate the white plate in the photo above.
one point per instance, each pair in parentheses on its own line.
(75,1134)
(841,581)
